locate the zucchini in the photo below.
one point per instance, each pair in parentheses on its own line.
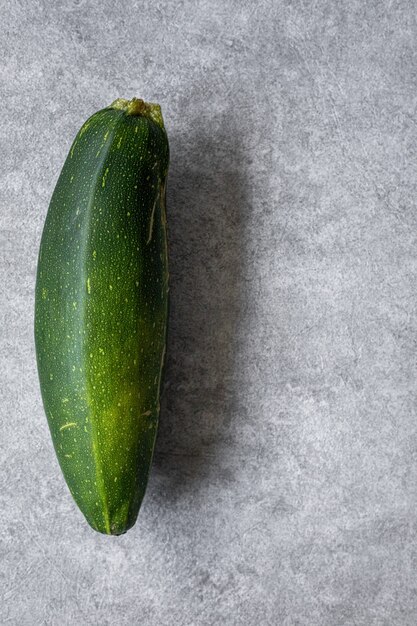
(101,309)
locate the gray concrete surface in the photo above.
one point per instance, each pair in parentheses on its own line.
(285,480)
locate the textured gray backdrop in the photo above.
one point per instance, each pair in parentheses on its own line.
(285,480)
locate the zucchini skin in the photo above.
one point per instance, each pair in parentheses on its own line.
(101,309)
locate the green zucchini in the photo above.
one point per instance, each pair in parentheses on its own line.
(101,310)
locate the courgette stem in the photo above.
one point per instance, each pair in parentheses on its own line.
(137,106)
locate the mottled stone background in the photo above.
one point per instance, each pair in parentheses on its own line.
(284,488)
